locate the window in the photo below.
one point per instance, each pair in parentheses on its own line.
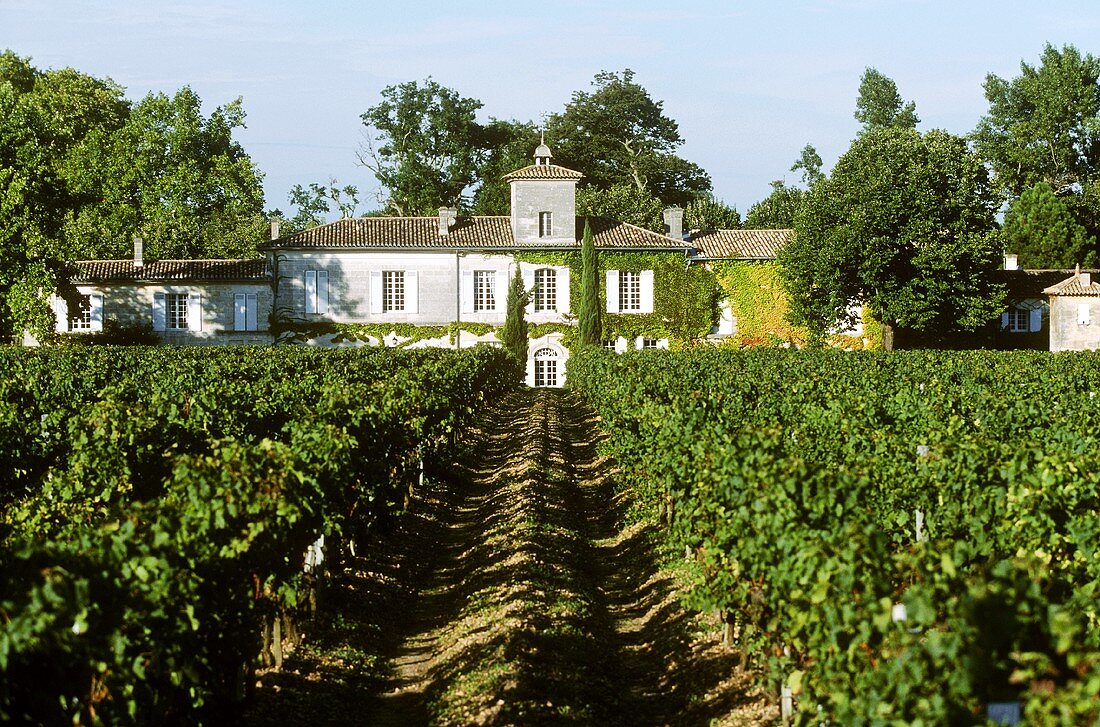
(546,367)
(630,291)
(1084,314)
(81,317)
(610,344)
(244,312)
(546,226)
(485,284)
(649,343)
(393,290)
(316,283)
(546,289)
(1018,320)
(175,311)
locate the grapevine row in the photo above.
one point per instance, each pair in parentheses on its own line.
(159,505)
(896,537)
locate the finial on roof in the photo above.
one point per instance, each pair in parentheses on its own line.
(542,153)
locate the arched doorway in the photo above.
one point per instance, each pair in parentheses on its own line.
(546,367)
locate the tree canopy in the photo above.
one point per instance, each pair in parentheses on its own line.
(424,145)
(1041,230)
(905,225)
(1044,125)
(710,213)
(623,202)
(617,134)
(879,105)
(82,171)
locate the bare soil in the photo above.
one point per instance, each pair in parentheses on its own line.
(510,593)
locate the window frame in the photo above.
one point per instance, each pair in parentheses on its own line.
(177,310)
(630,291)
(393,291)
(546,224)
(546,290)
(484,292)
(82,321)
(1019,320)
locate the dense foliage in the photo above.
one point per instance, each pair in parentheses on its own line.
(904,225)
(899,539)
(83,170)
(618,134)
(1040,228)
(158,504)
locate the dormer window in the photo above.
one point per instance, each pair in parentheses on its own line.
(546,226)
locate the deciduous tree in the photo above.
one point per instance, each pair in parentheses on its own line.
(1044,125)
(617,134)
(904,224)
(623,202)
(879,105)
(710,213)
(424,146)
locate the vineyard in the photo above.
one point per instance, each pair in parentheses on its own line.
(902,538)
(158,506)
(883,538)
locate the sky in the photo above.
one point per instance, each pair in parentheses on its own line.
(750,83)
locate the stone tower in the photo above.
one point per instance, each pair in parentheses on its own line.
(544,201)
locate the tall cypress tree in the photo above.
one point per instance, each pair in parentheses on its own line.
(588,317)
(514,333)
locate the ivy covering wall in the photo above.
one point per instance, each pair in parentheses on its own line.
(759,305)
(685,299)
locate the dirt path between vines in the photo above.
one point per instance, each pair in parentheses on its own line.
(507,594)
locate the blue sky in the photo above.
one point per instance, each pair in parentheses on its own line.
(750,83)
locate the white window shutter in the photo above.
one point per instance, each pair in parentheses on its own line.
(621,345)
(322,292)
(95,301)
(563,290)
(240,312)
(612,278)
(375,291)
(639,343)
(1084,316)
(467,292)
(1004,321)
(500,292)
(159,322)
(194,312)
(528,274)
(530,369)
(61,313)
(662,344)
(250,312)
(412,291)
(1035,320)
(311,291)
(646,279)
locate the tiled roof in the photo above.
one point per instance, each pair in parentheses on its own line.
(611,234)
(739,244)
(543,171)
(468,233)
(1076,285)
(1020,284)
(110,271)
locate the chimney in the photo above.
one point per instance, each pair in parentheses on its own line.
(447,218)
(1012,261)
(275,229)
(1085,279)
(674,221)
(139,253)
